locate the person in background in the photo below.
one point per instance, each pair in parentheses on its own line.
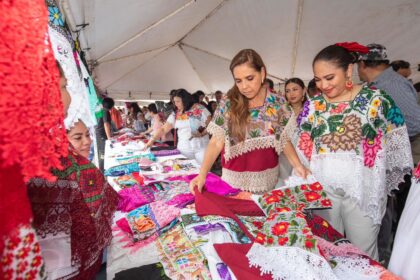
(250,129)
(402,67)
(79,138)
(201,97)
(295,94)
(108,104)
(190,121)
(116,118)
(218,95)
(312,89)
(212,106)
(269,84)
(355,142)
(374,69)
(156,123)
(146,115)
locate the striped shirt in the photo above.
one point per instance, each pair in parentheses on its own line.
(404,95)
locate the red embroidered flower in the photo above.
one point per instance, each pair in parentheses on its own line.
(312,196)
(280,228)
(29,239)
(306,230)
(23,253)
(13,243)
(7,259)
(36,248)
(305,144)
(300,207)
(288,192)
(272,199)
(260,238)
(21,267)
(309,244)
(283,240)
(270,240)
(316,187)
(278,193)
(36,261)
(326,202)
(283,209)
(8,274)
(303,187)
(31,274)
(353,47)
(258,224)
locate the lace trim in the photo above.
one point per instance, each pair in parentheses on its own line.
(356,269)
(256,182)
(265,142)
(399,160)
(367,186)
(216,131)
(289,263)
(79,106)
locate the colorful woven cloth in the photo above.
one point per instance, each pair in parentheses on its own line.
(150,219)
(180,259)
(81,204)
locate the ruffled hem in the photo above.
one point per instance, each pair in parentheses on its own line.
(256,182)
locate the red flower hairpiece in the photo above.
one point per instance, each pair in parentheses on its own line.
(353,47)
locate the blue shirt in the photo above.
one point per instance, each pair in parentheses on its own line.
(404,95)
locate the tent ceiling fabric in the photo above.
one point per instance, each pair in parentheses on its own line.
(143,46)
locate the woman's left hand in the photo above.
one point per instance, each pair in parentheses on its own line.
(302,171)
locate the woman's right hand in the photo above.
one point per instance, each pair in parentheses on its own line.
(198,182)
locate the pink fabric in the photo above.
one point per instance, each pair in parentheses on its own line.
(124,226)
(330,250)
(181,200)
(130,199)
(164,213)
(214,184)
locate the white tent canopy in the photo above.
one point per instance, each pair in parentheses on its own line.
(142,49)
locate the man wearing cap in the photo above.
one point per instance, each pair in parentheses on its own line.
(374,68)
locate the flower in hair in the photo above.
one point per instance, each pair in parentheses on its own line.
(353,47)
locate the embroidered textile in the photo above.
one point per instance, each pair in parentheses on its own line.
(364,141)
(270,128)
(80,203)
(122,169)
(213,184)
(180,259)
(150,219)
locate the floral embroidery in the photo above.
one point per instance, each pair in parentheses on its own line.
(305,144)
(371,148)
(303,113)
(349,126)
(346,137)
(55,16)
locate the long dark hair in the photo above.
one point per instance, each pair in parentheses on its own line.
(136,109)
(239,112)
(186,98)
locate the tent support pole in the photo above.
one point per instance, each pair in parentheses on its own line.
(297,35)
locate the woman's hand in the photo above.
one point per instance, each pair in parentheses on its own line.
(198,182)
(148,145)
(302,171)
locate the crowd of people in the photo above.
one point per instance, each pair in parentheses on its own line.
(359,140)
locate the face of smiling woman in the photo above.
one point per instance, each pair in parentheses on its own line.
(80,139)
(330,79)
(248,80)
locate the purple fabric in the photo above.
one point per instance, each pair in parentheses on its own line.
(182,200)
(223,271)
(214,184)
(130,199)
(164,153)
(206,228)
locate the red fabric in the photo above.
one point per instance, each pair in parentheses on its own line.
(81,203)
(257,160)
(31,141)
(207,203)
(116,118)
(234,256)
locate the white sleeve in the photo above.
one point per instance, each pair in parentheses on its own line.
(171,119)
